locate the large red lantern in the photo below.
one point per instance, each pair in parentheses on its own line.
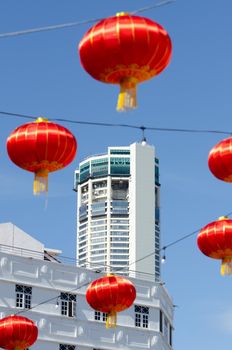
(220,160)
(111,294)
(41,147)
(215,241)
(17,333)
(125,50)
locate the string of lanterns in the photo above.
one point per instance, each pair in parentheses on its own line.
(215,239)
(124,50)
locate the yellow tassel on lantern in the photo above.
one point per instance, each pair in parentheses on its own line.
(226,266)
(127,98)
(40,182)
(111,319)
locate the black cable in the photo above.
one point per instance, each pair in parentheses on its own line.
(11,114)
(191,130)
(46,301)
(119,270)
(104,124)
(186,236)
(146,8)
(48,28)
(99,266)
(75,24)
(170,244)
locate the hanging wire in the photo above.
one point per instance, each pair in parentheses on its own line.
(51,299)
(57,297)
(147,8)
(131,126)
(48,28)
(169,245)
(75,24)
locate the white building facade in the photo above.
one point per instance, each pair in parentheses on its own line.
(118,221)
(34,283)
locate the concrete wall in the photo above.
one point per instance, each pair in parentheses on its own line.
(18,241)
(142,207)
(48,279)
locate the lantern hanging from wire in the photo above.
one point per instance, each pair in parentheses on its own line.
(220,160)
(125,50)
(215,241)
(41,147)
(111,294)
(17,333)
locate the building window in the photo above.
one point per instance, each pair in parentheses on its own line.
(119,262)
(123,251)
(165,328)
(120,245)
(98,208)
(118,257)
(100,316)
(66,347)
(68,304)
(166,325)
(141,316)
(119,207)
(119,166)
(170,335)
(119,151)
(23,296)
(137,320)
(161,322)
(119,233)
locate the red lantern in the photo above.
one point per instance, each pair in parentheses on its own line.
(215,241)
(220,160)
(111,294)
(125,50)
(17,333)
(41,147)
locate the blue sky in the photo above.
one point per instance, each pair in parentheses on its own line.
(41,75)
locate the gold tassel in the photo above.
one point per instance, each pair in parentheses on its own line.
(127,97)
(40,182)
(111,319)
(226,266)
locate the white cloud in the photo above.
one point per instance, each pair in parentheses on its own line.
(223,320)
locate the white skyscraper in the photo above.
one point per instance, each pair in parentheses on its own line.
(118,211)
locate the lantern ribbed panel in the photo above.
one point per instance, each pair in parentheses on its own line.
(220,160)
(125,46)
(41,146)
(17,331)
(111,293)
(215,239)
(125,50)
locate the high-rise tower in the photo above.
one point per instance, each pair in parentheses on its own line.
(118,211)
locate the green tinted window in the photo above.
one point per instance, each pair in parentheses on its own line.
(99,167)
(119,151)
(156,175)
(84,172)
(119,166)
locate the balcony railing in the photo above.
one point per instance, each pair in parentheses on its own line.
(100,267)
